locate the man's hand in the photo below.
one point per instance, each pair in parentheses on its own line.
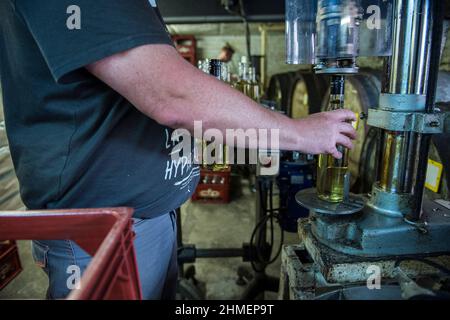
(321,132)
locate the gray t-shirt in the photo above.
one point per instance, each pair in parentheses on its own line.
(75,142)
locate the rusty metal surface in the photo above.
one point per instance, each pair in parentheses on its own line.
(304,281)
(297,280)
(308,198)
(340,268)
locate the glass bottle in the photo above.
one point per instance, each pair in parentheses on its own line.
(216,69)
(331,172)
(253,89)
(243,81)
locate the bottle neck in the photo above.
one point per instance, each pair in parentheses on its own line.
(244,71)
(252,75)
(215,68)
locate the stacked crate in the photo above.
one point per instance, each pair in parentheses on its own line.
(187,47)
(10,265)
(214,186)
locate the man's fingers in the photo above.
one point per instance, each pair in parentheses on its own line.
(344,141)
(336,154)
(343,115)
(348,130)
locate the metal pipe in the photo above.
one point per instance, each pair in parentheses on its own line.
(437,21)
(408,75)
(220,253)
(264,29)
(404,53)
(421,71)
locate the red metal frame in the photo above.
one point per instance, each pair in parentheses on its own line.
(106,234)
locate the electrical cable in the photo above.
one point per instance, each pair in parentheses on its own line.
(272,228)
(243,15)
(369,144)
(263,221)
(269,215)
(271,218)
(261,260)
(279,248)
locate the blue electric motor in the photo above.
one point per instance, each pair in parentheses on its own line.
(297,172)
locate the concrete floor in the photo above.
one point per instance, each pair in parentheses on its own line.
(204,225)
(31,282)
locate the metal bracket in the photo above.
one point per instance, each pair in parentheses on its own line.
(390,204)
(402,102)
(427,123)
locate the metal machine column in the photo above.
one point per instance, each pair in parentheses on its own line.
(389,222)
(407,81)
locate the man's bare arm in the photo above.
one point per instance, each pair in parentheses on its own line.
(166,88)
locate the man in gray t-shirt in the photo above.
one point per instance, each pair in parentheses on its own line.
(92,91)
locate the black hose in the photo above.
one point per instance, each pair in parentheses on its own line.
(259,259)
(364,166)
(243,14)
(269,216)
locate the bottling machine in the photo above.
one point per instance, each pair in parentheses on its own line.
(345,236)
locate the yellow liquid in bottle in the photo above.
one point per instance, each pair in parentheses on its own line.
(252,90)
(331,172)
(242,86)
(331,177)
(224,165)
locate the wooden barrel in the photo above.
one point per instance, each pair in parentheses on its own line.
(306,95)
(279,89)
(299,93)
(367,163)
(361,93)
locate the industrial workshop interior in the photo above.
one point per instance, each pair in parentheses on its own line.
(225,150)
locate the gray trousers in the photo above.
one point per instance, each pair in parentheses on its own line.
(156,252)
